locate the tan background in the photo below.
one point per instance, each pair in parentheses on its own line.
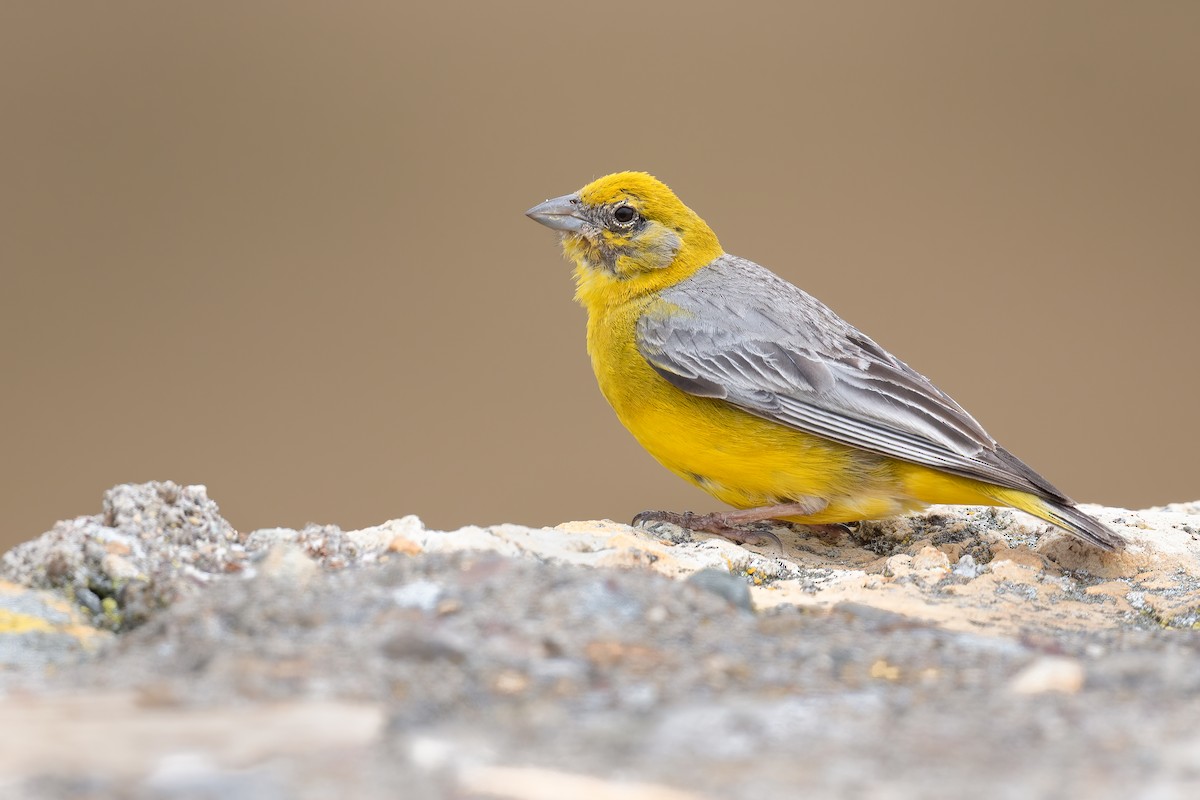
(278,248)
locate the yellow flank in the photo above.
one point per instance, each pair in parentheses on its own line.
(621,269)
(736,457)
(750,462)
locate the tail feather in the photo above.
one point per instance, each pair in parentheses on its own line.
(1087,528)
(1062,513)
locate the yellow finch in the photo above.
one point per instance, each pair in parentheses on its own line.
(756,392)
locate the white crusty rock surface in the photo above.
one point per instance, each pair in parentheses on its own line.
(960,567)
(153,650)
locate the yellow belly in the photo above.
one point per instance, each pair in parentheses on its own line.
(749,462)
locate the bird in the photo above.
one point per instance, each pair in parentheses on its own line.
(756,392)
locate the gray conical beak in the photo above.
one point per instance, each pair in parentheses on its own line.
(561,213)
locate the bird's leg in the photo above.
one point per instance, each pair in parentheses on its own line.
(726,524)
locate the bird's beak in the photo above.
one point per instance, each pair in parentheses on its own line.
(561,213)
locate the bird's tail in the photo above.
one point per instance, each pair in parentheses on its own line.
(1086,527)
(1068,517)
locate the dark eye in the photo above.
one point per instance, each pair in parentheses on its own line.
(624,215)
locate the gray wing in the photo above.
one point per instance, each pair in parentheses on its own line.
(739,333)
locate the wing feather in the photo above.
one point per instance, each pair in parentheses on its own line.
(795,362)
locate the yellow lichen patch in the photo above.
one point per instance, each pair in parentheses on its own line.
(12,622)
(47,609)
(16,624)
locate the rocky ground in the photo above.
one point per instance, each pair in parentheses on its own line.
(153,651)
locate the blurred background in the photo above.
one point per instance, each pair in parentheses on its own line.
(279,248)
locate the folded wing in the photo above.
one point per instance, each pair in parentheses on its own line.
(738,333)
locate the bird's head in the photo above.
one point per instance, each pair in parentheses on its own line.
(629,227)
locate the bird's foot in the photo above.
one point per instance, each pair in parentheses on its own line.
(756,533)
(745,526)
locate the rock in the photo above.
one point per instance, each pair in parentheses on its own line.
(39,629)
(287,561)
(1159,541)
(155,543)
(930,559)
(1049,674)
(733,589)
(113,733)
(534,783)
(150,544)
(966,567)
(398,655)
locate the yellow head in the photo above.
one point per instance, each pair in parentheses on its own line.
(629,228)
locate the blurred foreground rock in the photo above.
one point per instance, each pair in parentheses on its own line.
(961,650)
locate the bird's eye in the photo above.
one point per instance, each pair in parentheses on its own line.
(624,215)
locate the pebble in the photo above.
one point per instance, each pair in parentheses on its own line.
(1049,674)
(723,584)
(967,568)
